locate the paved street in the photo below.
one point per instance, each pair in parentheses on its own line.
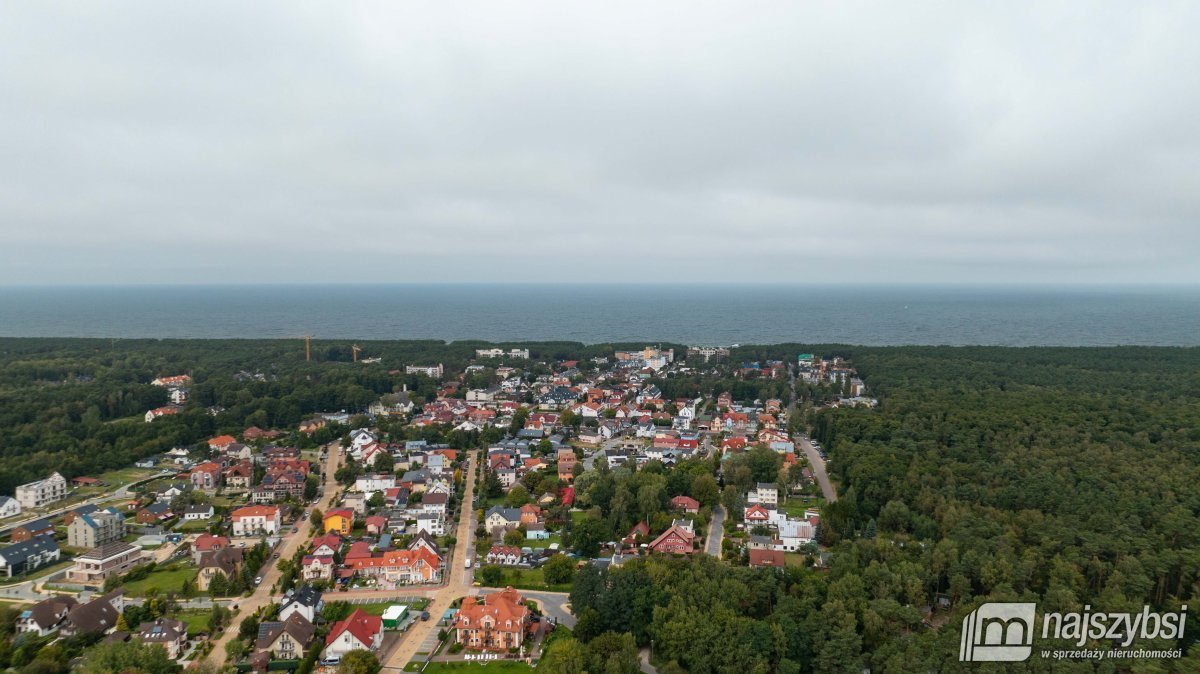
(459,582)
(716,532)
(270,572)
(818,468)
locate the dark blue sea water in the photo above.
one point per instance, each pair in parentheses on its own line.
(716,315)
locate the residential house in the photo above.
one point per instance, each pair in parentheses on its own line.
(170,634)
(502,518)
(152,514)
(207,543)
(198,513)
(256,520)
(304,601)
(45,616)
(70,515)
(28,555)
(329,544)
(97,528)
(771,558)
(504,555)
(98,616)
(495,622)
(223,561)
(431,523)
(240,475)
(339,520)
(400,567)
(110,559)
(376,524)
(31,530)
(435,503)
(766,494)
(675,540)
(317,567)
(9,507)
(531,514)
(42,492)
(221,442)
(373,482)
(287,639)
(206,476)
(357,632)
(757,514)
(685,503)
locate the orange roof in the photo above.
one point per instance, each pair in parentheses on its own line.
(255,511)
(221,441)
(395,559)
(504,607)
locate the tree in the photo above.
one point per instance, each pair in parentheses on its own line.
(248,629)
(514,537)
(490,575)
(559,570)
(565,656)
(317,518)
(311,485)
(517,496)
(384,463)
(705,490)
(234,649)
(359,661)
(127,656)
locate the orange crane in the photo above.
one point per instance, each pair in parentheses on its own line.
(307,349)
(354,351)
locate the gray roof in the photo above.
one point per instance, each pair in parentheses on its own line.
(509,514)
(17,553)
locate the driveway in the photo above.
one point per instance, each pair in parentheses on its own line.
(818,466)
(716,532)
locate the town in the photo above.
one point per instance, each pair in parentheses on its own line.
(424,530)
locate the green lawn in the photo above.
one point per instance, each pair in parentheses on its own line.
(193,525)
(197,621)
(795,506)
(554,538)
(165,578)
(529,579)
(492,666)
(794,558)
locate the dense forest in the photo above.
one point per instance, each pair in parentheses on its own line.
(1066,477)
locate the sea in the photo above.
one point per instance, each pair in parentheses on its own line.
(697,314)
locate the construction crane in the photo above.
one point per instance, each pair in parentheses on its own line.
(307,349)
(354,351)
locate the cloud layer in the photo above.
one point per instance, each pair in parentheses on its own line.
(625,141)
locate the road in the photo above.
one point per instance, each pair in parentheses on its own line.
(458,584)
(814,457)
(716,532)
(95,500)
(818,467)
(590,459)
(261,596)
(555,605)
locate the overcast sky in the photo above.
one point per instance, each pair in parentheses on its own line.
(599,141)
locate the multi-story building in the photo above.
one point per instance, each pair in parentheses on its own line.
(91,530)
(28,555)
(97,564)
(434,371)
(497,623)
(256,520)
(43,492)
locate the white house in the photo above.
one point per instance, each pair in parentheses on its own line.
(195,513)
(42,492)
(358,632)
(431,524)
(9,507)
(256,520)
(373,482)
(765,493)
(305,600)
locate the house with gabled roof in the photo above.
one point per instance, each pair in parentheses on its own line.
(359,631)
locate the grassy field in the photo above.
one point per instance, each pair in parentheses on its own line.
(795,506)
(166,579)
(794,558)
(493,666)
(554,538)
(197,621)
(529,579)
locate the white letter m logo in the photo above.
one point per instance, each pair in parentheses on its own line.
(998,632)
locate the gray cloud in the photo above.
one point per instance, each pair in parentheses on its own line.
(162,142)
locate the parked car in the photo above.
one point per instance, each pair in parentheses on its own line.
(258,581)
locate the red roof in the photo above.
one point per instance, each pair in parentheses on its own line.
(685,502)
(206,542)
(772,558)
(221,441)
(362,626)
